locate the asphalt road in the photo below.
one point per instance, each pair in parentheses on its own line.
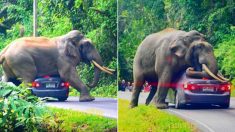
(100,106)
(205,118)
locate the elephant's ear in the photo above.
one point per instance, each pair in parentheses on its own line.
(178,48)
(70,49)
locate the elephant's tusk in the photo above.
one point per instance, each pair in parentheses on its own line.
(222,77)
(211,74)
(100,67)
(106,68)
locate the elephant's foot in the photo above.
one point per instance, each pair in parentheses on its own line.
(147,102)
(132,105)
(86,98)
(162,105)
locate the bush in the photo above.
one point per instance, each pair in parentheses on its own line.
(226,56)
(21,111)
(100,91)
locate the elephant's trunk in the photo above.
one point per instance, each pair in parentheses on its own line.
(99,68)
(211,65)
(211,68)
(98,64)
(95,57)
(203,60)
(96,78)
(207,72)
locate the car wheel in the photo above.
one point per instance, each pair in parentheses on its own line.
(178,105)
(225,105)
(62,99)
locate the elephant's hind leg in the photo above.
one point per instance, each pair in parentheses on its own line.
(24,69)
(151,94)
(9,75)
(7,72)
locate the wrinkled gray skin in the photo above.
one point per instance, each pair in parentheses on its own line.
(162,56)
(29,57)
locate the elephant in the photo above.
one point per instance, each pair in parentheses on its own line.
(162,56)
(29,57)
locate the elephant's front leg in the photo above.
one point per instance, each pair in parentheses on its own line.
(163,85)
(135,94)
(70,75)
(138,85)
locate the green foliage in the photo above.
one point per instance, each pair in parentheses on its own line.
(211,18)
(12,12)
(101,91)
(19,110)
(148,118)
(226,56)
(233,91)
(78,121)
(137,19)
(105,91)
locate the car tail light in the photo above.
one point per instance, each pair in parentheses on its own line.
(35,84)
(46,76)
(65,84)
(225,87)
(188,86)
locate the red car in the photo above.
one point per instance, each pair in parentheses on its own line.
(201,91)
(50,86)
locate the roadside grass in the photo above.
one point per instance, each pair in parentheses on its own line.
(233,88)
(101,91)
(149,119)
(233,91)
(78,121)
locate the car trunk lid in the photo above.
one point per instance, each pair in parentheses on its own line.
(207,86)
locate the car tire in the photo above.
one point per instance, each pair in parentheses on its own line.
(178,105)
(225,105)
(62,99)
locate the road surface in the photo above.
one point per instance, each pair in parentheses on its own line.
(100,106)
(207,119)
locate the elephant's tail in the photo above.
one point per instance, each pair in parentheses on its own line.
(2,53)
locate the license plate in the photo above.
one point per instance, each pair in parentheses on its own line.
(50,85)
(208,89)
